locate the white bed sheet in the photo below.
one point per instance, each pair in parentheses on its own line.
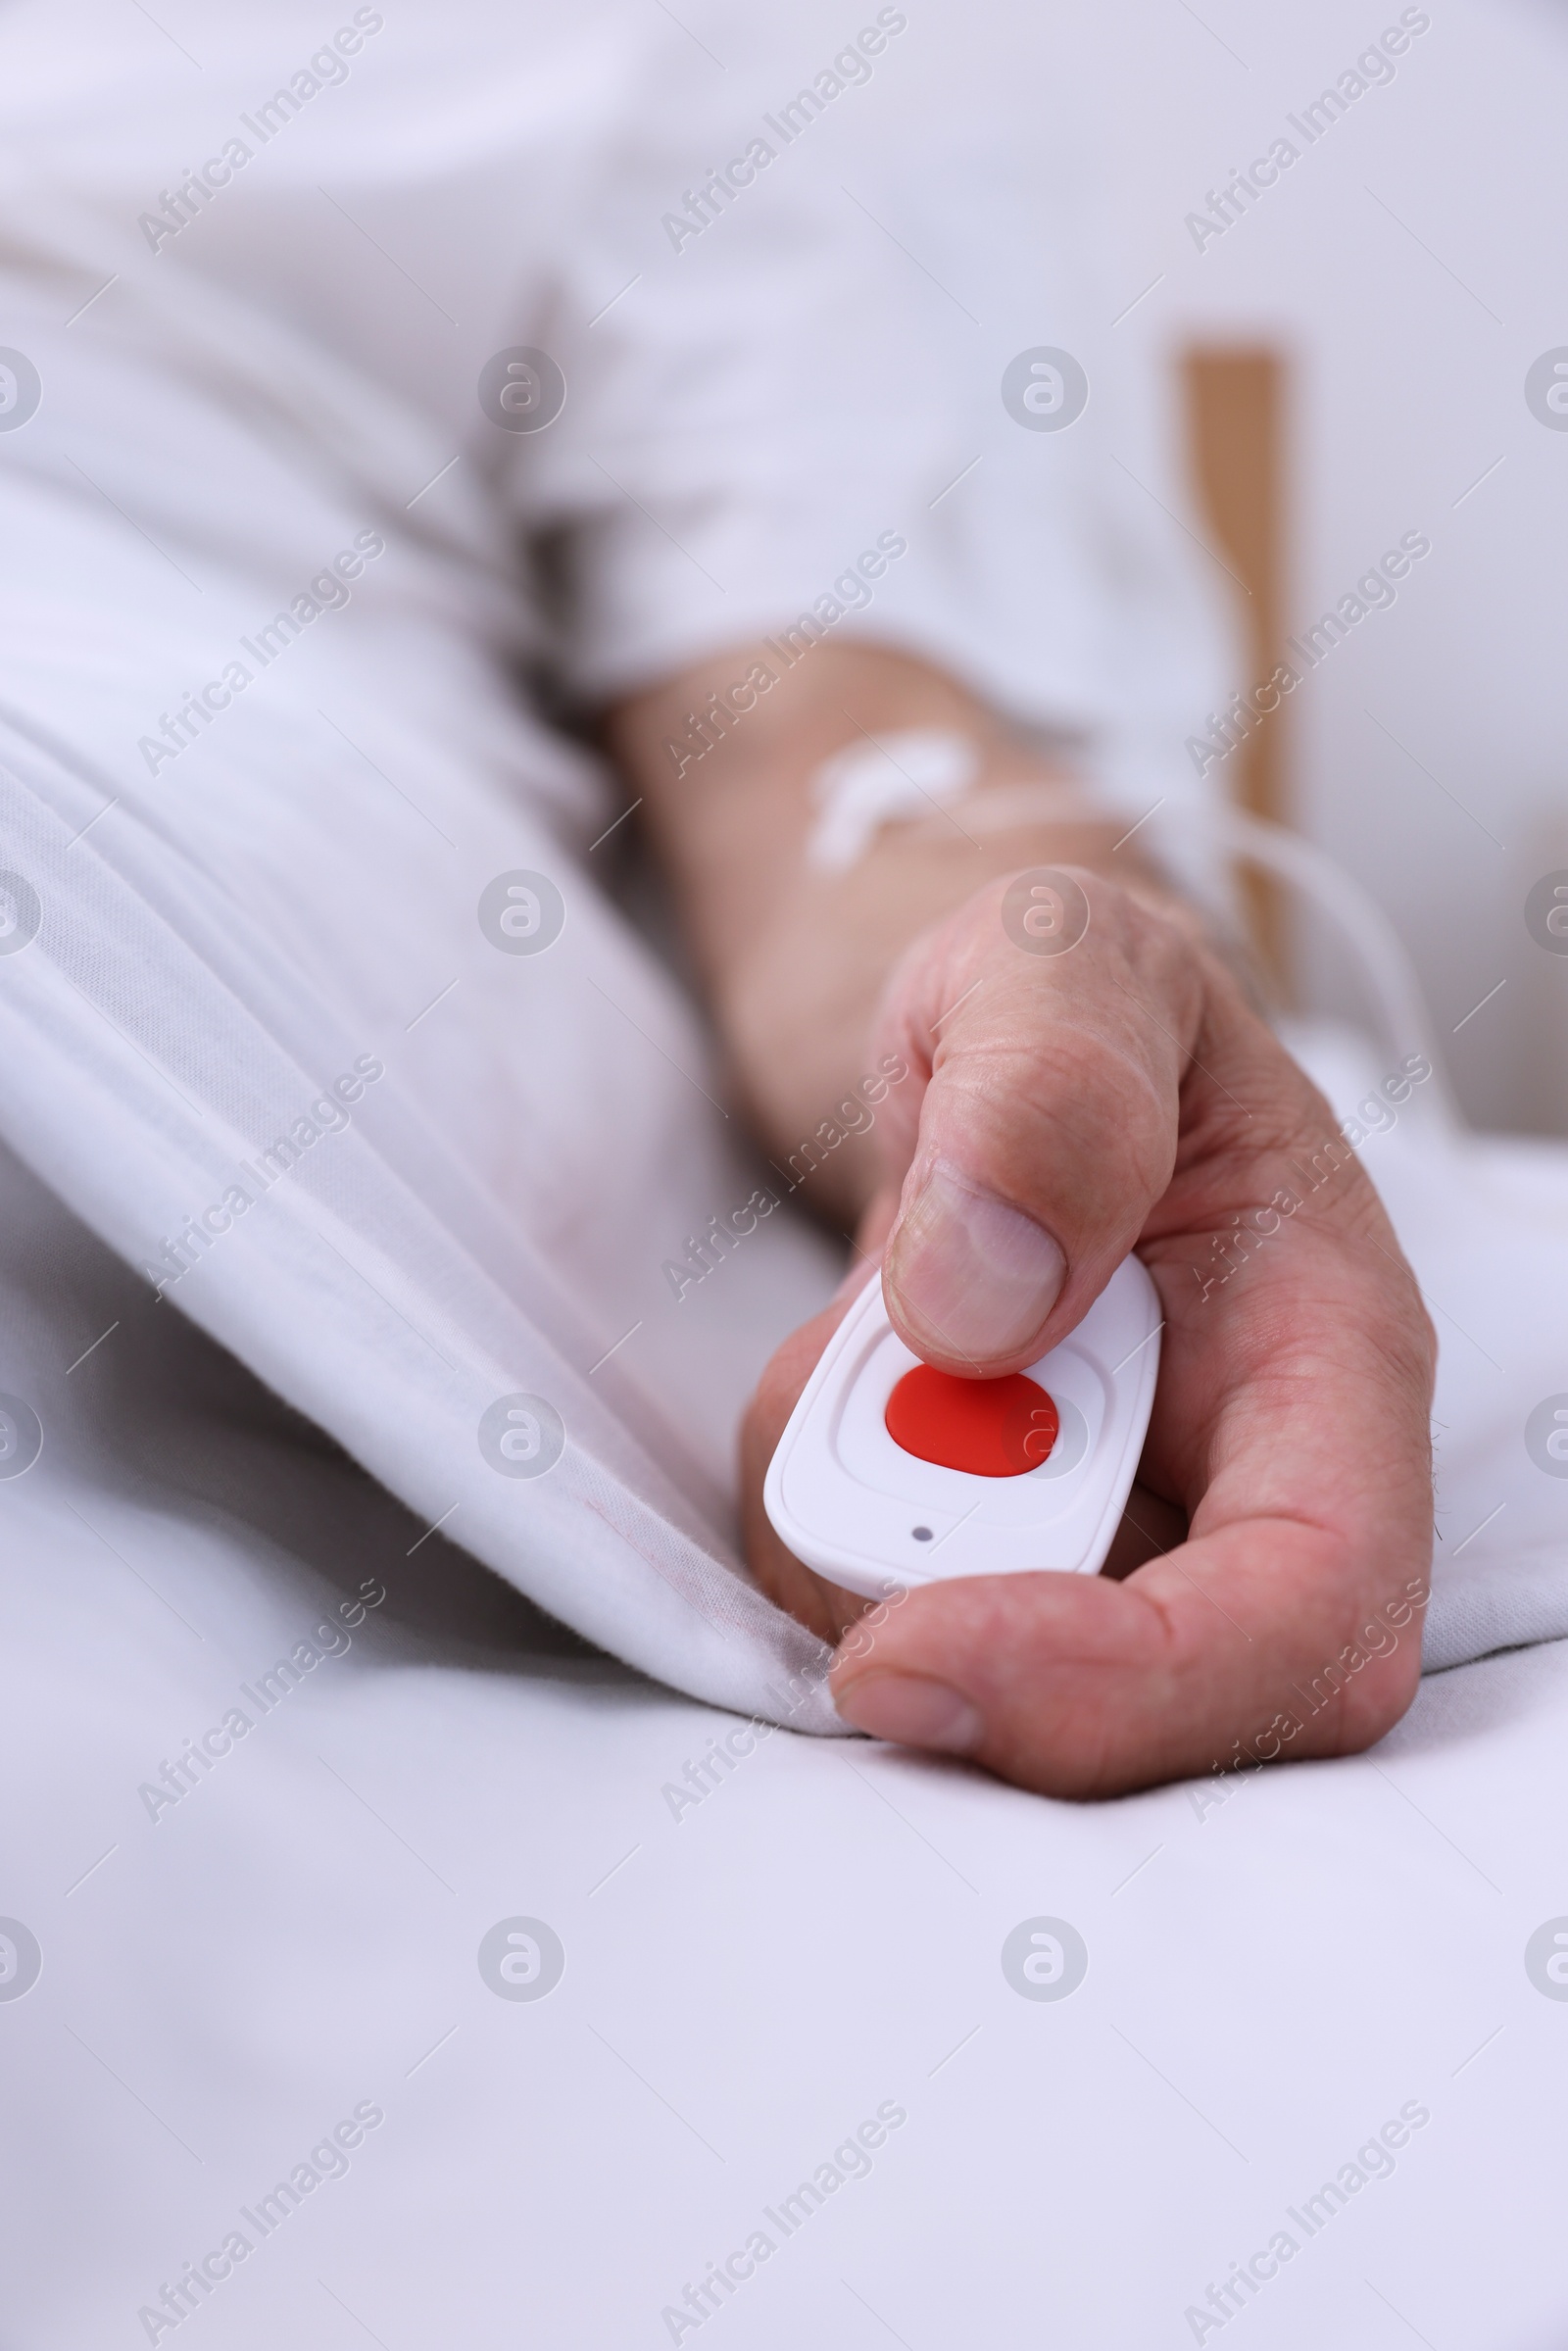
(747,1978)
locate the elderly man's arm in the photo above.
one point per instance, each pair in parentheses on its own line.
(796,959)
(1060,1110)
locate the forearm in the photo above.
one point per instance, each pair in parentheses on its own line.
(796,958)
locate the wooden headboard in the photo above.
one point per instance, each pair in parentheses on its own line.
(1233,400)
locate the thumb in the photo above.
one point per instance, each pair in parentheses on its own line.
(1048,1123)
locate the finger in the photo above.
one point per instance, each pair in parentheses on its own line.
(1074,1685)
(1289,1623)
(1047,1125)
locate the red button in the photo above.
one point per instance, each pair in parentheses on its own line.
(990,1428)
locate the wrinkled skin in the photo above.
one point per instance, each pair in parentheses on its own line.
(1123,1095)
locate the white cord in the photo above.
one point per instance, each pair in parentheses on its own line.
(1386,968)
(928,774)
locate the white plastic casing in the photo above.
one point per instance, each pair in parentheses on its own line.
(847,1500)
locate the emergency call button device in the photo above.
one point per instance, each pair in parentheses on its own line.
(892,1474)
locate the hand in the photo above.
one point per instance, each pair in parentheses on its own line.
(1066,1109)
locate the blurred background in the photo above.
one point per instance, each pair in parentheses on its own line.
(1376,312)
(1058,175)
(1407,271)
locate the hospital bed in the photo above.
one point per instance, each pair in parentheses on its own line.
(384,1956)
